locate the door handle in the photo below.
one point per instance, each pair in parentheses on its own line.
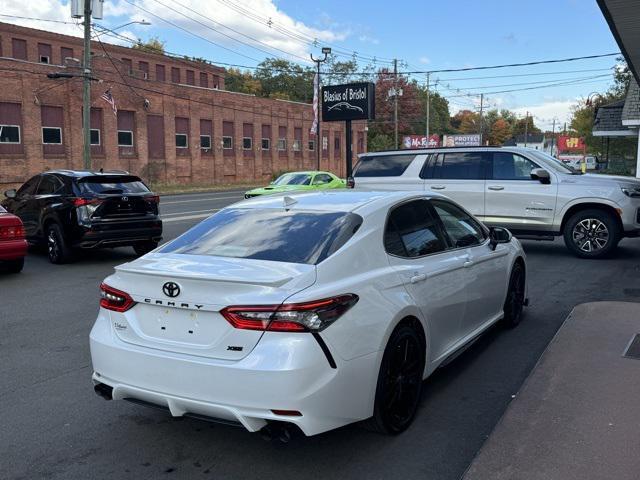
(496,187)
(438,187)
(418,278)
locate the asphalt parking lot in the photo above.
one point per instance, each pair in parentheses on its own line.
(54,426)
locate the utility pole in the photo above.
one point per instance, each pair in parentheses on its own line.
(428,108)
(526,128)
(481,106)
(326,51)
(86,87)
(395,102)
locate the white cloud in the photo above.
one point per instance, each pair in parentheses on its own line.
(368,39)
(424,60)
(544,113)
(218,21)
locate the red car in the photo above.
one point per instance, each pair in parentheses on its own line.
(13,246)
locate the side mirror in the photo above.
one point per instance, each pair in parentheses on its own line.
(541,174)
(498,235)
(10,193)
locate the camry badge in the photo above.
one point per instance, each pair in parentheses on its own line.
(171,289)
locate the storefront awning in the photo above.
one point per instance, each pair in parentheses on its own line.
(623,17)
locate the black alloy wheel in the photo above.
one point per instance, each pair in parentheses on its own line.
(57,249)
(514,303)
(399,381)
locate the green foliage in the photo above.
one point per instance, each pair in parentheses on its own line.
(153,45)
(378,142)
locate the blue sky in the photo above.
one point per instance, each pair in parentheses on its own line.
(426,35)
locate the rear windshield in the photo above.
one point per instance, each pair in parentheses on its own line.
(382,165)
(294,179)
(116,184)
(269,234)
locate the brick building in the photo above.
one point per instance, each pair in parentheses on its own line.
(174,124)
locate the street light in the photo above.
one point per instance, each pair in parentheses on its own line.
(139,22)
(326,51)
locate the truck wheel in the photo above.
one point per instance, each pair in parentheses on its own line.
(592,233)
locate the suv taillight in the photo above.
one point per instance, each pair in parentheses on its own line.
(114,299)
(82,202)
(290,317)
(153,198)
(14,232)
(351,182)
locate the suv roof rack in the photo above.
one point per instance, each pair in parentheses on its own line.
(427,150)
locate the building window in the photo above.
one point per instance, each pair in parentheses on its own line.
(296,145)
(125,138)
(191,79)
(160,73)
(175,75)
(282,144)
(204,80)
(9,134)
(95,136)
(44,52)
(205,142)
(182,140)
(312,145)
(52,135)
(247,143)
(65,53)
(325,143)
(266,144)
(19,48)
(44,59)
(227,143)
(128,65)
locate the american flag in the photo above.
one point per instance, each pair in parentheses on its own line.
(107,97)
(314,125)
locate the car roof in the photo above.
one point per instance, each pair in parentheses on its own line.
(89,173)
(425,151)
(341,200)
(306,172)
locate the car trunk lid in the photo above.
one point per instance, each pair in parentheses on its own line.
(179,298)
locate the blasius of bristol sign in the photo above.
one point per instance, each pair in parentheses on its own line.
(352,101)
(347,102)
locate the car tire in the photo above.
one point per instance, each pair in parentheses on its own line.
(143,248)
(15,266)
(57,248)
(515,301)
(399,385)
(592,233)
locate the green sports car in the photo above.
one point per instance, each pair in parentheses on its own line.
(299,181)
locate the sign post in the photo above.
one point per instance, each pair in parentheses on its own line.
(347,102)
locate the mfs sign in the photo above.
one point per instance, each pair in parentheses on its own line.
(351,101)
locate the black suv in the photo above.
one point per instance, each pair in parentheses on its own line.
(69,209)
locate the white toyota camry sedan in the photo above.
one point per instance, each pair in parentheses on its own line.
(314,309)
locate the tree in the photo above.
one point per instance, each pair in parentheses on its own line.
(286,80)
(378,142)
(153,45)
(500,132)
(466,121)
(439,117)
(243,82)
(527,124)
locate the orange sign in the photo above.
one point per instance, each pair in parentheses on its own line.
(566,143)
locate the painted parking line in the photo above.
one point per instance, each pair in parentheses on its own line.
(173,214)
(188,217)
(208,199)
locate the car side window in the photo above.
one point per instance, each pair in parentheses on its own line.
(29,187)
(463,230)
(321,179)
(412,231)
(511,166)
(49,185)
(460,166)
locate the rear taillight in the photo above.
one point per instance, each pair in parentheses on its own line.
(351,182)
(290,317)
(153,199)
(114,299)
(13,232)
(81,202)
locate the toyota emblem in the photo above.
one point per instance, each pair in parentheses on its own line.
(171,289)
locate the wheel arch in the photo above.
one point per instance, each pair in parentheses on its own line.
(610,208)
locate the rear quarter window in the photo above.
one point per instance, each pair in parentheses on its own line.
(382,165)
(306,237)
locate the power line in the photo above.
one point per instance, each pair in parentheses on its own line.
(36,19)
(526,74)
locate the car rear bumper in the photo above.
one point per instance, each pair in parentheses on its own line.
(283,372)
(12,250)
(119,233)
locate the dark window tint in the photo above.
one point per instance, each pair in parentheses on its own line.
(105,184)
(125,138)
(9,134)
(51,135)
(95,136)
(462,229)
(205,142)
(412,231)
(383,165)
(322,179)
(459,165)
(181,140)
(29,186)
(271,234)
(510,166)
(48,185)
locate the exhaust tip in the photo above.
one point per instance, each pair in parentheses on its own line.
(277,432)
(104,391)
